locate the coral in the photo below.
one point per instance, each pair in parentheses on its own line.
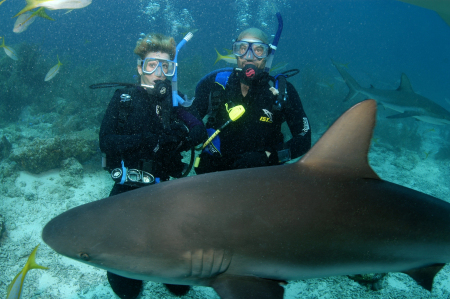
(45,154)
(5,147)
(2,226)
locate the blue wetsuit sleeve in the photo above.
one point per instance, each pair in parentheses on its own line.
(298,124)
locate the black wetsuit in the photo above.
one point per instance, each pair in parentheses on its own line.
(131,132)
(136,131)
(244,142)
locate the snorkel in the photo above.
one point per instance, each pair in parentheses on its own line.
(176,99)
(274,44)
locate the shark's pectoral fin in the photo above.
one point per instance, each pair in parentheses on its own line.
(424,276)
(344,147)
(243,287)
(404,114)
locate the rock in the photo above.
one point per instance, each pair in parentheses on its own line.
(2,226)
(5,147)
(44,154)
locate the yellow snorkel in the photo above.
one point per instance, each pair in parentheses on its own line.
(235,113)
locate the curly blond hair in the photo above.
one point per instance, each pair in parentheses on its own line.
(155,42)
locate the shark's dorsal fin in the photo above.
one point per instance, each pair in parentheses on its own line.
(345,145)
(405,85)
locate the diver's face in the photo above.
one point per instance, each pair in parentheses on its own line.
(249,58)
(149,79)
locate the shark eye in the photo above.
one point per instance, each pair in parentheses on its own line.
(84,256)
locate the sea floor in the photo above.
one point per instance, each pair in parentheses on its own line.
(42,197)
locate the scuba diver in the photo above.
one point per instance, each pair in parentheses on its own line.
(254,138)
(143,133)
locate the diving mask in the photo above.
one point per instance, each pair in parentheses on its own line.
(158,66)
(246,49)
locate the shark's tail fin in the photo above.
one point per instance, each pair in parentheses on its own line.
(353,86)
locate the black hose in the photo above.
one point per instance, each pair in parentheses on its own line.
(191,162)
(290,73)
(111,84)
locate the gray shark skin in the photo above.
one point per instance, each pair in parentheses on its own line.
(403,100)
(243,231)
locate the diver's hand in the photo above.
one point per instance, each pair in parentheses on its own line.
(181,133)
(178,129)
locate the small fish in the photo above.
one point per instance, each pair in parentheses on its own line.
(278,67)
(342,65)
(53,71)
(339,79)
(230,58)
(54,4)
(190,30)
(9,51)
(25,20)
(325,84)
(14,290)
(229,52)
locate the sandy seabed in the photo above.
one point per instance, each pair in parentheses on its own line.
(46,195)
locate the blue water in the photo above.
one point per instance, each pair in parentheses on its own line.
(382,38)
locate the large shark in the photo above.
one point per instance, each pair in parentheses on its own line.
(442,7)
(403,100)
(244,231)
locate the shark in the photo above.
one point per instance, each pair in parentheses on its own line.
(442,7)
(402,100)
(247,232)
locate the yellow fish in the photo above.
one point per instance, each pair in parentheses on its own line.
(54,4)
(53,71)
(25,20)
(9,51)
(230,58)
(278,67)
(1,2)
(190,30)
(14,290)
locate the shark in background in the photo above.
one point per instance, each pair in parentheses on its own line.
(244,232)
(442,7)
(403,100)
